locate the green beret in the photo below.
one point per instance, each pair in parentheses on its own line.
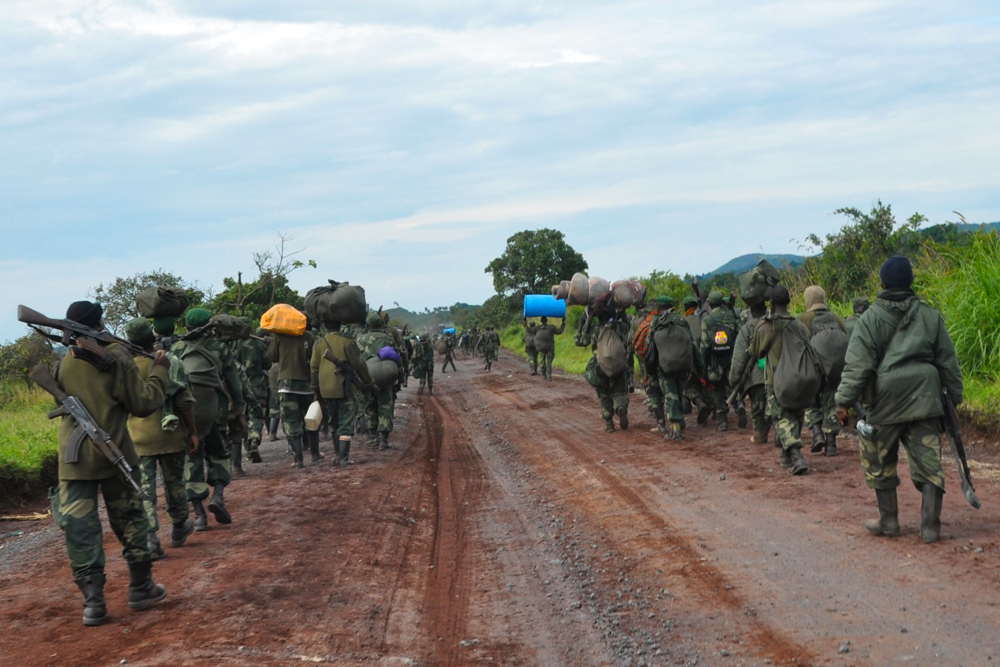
(690,301)
(715,298)
(197,317)
(664,301)
(138,329)
(374,320)
(164,325)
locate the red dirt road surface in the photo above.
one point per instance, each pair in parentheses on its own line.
(507,528)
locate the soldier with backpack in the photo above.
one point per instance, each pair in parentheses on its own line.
(606,332)
(792,376)
(900,360)
(668,356)
(828,336)
(747,375)
(717,340)
(858,307)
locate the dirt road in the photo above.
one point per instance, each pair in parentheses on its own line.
(507,528)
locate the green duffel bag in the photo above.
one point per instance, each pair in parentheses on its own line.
(161,302)
(337,302)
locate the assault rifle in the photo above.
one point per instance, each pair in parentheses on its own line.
(740,387)
(74,331)
(950,420)
(86,427)
(350,375)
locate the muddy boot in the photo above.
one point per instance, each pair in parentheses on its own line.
(704,412)
(609,425)
(887,522)
(345,452)
(296,446)
(798,462)
(819,439)
(661,424)
(741,416)
(430,390)
(383,440)
(236,458)
(155,547)
(676,432)
(95,609)
(785,458)
(313,438)
(217,505)
(180,532)
(930,513)
(759,438)
(724,422)
(622,418)
(200,515)
(272,429)
(831,444)
(253,451)
(142,592)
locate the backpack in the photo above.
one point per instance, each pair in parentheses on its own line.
(799,375)
(756,284)
(673,347)
(227,327)
(830,343)
(161,302)
(544,341)
(610,352)
(723,339)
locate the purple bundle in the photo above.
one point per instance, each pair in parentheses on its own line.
(389,354)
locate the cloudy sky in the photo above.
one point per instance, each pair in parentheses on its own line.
(400,143)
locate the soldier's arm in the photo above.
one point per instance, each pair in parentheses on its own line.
(265,361)
(314,361)
(357,362)
(860,363)
(140,397)
(232,377)
(741,354)
(562,327)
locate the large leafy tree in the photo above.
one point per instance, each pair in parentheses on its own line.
(534,261)
(118,296)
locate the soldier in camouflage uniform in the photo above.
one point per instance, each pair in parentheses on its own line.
(664,390)
(822,419)
(490,346)
(695,392)
(899,360)
(379,409)
(545,343)
(612,392)
(767,342)
(253,360)
(110,390)
(449,352)
(530,328)
(753,385)
(423,363)
(858,306)
(161,441)
(717,340)
(214,380)
(292,355)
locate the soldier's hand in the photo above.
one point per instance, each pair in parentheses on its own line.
(193,444)
(842,415)
(161,359)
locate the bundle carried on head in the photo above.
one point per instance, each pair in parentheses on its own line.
(337,302)
(284,319)
(599,293)
(756,284)
(161,302)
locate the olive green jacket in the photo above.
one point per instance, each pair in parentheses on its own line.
(742,356)
(147,432)
(292,354)
(900,382)
(324,375)
(717,365)
(110,397)
(766,341)
(807,318)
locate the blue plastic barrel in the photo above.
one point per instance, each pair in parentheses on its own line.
(450,331)
(543,305)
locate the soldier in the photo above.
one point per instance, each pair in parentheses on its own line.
(612,391)
(546,345)
(334,387)
(162,440)
(255,364)
(423,365)
(379,408)
(717,340)
(292,355)
(273,410)
(400,345)
(215,383)
(899,359)
(530,328)
(664,387)
(489,344)
(858,306)
(746,368)
(767,342)
(110,388)
(695,391)
(822,419)
(449,352)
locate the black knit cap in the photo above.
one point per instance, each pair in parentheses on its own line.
(896,273)
(86,313)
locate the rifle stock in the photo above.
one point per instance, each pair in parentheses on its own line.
(71,330)
(350,376)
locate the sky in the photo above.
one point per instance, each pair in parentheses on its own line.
(399,144)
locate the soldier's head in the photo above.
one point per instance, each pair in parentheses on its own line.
(164,326)
(690,304)
(87,313)
(331,325)
(815,296)
(715,298)
(374,321)
(197,317)
(896,273)
(545,320)
(139,332)
(860,304)
(662,303)
(780,298)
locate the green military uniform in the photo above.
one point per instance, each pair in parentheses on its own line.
(665,390)
(378,409)
(449,353)
(335,389)
(292,355)
(754,386)
(859,306)
(822,419)
(253,360)
(717,354)
(695,392)
(546,346)
(612,392)
(489,344)
(529,346)
(423,364)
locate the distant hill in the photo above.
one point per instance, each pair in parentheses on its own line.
(744,263)
(942,233)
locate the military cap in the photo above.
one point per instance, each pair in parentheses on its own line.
(690,301)
(664,301)
(861,304)
(715,298)
(374,320)
(197,317)
(138,329)
(164,325)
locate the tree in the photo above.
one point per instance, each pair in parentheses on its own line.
(533,262)
(18,358)
(118,297)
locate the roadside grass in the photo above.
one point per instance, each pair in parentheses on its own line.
(28,442)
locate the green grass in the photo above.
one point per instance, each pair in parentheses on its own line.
(569,357)
(27,436)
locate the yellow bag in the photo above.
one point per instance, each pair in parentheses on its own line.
(283,319)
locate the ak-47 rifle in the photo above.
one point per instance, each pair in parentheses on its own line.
(350,375)
(85,337)
(86,427)
(740,387)
(951,427)
(697,294)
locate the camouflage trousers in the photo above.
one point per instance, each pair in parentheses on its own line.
(293,413)
(489,356)
(787,423)
(825,412)
(379,410)
(255,422)
(449,358)
(74,508)
(611,391)
(174,490)
(273,410)
(546,358)
(759,416)
(718,391)
(880,454)
(694,392)
(213,450)
(428,377)
(341,413)
(664,391)
(532,358)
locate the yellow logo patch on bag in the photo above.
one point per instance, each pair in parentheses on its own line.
(721,338)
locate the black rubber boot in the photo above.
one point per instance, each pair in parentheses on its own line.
(155,547)
(799,465)
(724,422)
(313,438)
(253,451)
(296,445)
(704,411)
(272,429)
(609,425)
(622,417)
(661,424)
(180,532)
(785,458)
(887,522)
(741,415)
(200,515)
(819,439)
(236,458)
(930,513)
(831,445)
(142,592)
(345,454)
(342,445)
(383,440)
(95,609)
(217,505)
(676,432)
